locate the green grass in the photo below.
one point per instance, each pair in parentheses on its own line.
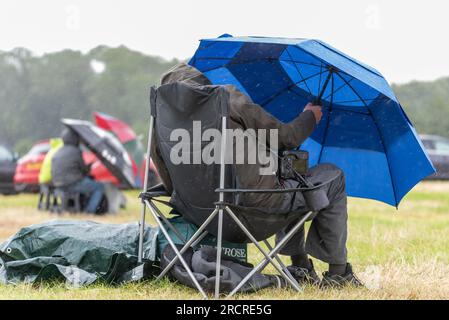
(400,254)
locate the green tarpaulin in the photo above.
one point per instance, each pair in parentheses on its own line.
(83,252)
(79,252)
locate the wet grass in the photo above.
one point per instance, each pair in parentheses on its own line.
(400,254)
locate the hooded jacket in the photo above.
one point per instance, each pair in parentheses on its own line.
(67,164)
(244,114)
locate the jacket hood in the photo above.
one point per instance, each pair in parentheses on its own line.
(183,72)
(69,137)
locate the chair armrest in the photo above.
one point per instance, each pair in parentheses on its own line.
(290,190)
(153,192)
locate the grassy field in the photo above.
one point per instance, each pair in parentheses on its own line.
(400,254)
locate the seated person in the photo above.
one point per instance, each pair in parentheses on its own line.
(45,172)
(327,236)
(69,171)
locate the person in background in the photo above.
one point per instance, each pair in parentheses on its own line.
(69,171)
(45,172)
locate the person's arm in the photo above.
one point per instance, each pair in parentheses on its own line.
(290,135)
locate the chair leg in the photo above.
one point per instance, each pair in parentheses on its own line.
(175,249)
(198,235)
(169,224)
(39,202)
(47,200)
(64,202)
(141,232)
(283,266)
(268,258)
(77,202)
(59,204)
(272,252)
(54,203)
(218,259)
(58,201)
(142,227)
(145,180)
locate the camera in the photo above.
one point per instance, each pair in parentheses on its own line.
(293,163)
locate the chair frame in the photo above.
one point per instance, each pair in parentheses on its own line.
(221,208)
(46,193)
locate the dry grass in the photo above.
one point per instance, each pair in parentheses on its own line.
(400,254)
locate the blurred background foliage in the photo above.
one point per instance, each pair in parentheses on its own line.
(36,91)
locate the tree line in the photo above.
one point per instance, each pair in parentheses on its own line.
(37,91)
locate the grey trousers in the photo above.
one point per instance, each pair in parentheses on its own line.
(326,238)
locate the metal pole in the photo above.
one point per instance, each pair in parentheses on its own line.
(279,246)
(178,254)
(292,281)
(220,211)
(219,248)
(145,187)
(284,268)
(168,223)
(201,237)
(189,243)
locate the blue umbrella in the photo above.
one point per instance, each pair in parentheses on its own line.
(364,129)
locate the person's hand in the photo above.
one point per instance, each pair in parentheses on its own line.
(316,111)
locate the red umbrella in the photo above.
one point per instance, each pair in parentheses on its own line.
(123,132)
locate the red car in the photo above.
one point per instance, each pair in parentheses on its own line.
(26,177)
(29,166)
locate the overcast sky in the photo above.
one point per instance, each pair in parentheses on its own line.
(405,40)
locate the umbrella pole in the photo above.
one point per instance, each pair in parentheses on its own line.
(317,101)
(145,187)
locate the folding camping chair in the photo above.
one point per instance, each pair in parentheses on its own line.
(224,218)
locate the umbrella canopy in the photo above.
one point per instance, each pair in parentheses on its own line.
(127,137)
(123,132)
(364,129)
(106,147)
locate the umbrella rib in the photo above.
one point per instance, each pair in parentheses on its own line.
(277,94)
(334,107)
(299,71)
(353,90)
(338,89)
(381,138)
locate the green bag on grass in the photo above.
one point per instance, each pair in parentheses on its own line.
(237,251)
